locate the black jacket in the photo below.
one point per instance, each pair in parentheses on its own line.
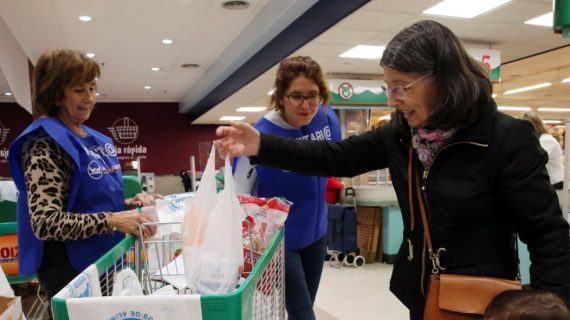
(487,183)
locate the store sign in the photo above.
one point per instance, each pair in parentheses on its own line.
(345,90)
(3,146)
(125,132)
(357,92)
(369,92)
(491,60)
(562,17)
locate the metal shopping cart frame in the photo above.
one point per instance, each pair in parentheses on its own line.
(260,296)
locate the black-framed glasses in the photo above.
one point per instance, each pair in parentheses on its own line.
(399,92)
(297,100)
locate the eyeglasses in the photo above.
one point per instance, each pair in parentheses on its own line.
(399,92)
(297,99)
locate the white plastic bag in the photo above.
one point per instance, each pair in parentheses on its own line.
(211,234)
(127,284)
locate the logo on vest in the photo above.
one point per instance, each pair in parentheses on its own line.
(95,170)
(319,135)
(345,90)
(110,150)
(131,315)
(124,130)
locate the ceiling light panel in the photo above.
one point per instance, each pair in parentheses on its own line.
(364,52)
(529,88)
(463,8)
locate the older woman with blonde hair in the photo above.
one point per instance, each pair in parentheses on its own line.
(555,164)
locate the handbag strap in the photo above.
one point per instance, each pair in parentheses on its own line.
(410,193)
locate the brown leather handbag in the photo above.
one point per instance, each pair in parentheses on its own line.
(450,296)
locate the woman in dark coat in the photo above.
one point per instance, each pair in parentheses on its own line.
(482,173)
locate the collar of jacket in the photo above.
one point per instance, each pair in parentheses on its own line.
(479,132)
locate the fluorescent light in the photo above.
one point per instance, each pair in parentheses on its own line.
(464,9)
(544,20)
(232,118)
(364,52)
(552,121)
(97,94)
(90,55)
(250,109)
(155,69)
(494,95)
(8,93)
(167,41)
(388,117)
(513,108)
(533,87)
(147,87)
(554,109)
(566,80)
(85,18)
(270,93)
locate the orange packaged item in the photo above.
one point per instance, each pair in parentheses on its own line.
(9,253)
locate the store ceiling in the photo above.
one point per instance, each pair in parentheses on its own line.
(126,36)
(378,21)
(553,67)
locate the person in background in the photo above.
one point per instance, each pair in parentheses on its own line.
(555,164)
(334,187)
(299,112)
(186,181)
(478,174)
(70,205)
(527,305)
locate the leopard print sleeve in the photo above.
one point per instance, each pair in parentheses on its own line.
(48,170)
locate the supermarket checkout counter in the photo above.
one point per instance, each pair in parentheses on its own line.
(379,222)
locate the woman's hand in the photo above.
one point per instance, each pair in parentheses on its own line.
(241,139)
(129,222)
(142,200)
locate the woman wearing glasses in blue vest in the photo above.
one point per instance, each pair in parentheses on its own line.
(70,204)
(477,174)
(299,112)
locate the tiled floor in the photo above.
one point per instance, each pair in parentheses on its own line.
(358,294)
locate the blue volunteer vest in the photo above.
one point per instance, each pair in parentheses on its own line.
(307,220)
(96,186)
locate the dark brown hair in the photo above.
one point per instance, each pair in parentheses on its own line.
(527,305)
(55,70)
(291,68)
(463,86)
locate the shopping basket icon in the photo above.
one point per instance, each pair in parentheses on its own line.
(127,130)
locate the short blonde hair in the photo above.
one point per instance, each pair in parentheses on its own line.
(56,70)
(536,120)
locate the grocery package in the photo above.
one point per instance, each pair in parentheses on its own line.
(265,216)
(211,234)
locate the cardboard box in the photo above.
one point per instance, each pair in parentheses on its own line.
(369,232)
(10,308)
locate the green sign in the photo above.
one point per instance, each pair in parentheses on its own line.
(562,17)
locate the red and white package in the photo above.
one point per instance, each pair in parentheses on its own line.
(264,218)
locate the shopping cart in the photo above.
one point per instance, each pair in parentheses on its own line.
(260,296)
